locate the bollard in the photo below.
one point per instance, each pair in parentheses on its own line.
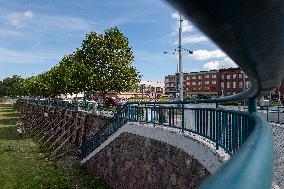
(278,112)
(267,109)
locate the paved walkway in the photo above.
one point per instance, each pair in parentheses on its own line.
(278,140)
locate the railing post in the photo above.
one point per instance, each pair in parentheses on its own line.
(146,113)
(217,126)
(267,109)
(278,112)
(252,105)
(128,112)
(218,129)
(251,109)
(153,117)
(182,118)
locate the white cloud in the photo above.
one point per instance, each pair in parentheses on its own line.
(192,39)
(56,23)
(18,19)
(225,63)
(18,57)
(186,25)
(5,32)
(205,54)
(63,22)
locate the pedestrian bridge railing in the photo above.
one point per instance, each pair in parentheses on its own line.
(244,135)
(228,129)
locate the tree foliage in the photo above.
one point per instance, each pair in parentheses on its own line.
(110,57)
(102,64)
(10,86)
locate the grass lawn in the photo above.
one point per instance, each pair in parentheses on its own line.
(26,166)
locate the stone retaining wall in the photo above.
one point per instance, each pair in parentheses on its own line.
(94,123)
(56,118)
(133,161)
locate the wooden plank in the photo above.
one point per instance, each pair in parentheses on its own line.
(51,130)
(56,132)
(61,136)
(61,145)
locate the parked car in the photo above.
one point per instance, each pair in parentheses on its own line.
(110,102)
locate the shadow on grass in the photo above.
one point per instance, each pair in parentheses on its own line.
(9,121)
(8,133)
(7,110)
(6,107)
(15,114)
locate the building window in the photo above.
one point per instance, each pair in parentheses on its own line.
(240,75)
(214,76)
(200,77)
(228,85)
(234,85)
(213,82)
(234,93)
(240,84)
(200,88)
(228,76)
(234,76)
(222,77)
(193,83)
(193,88)
(200,83)
(207,82)
(207,76)
(222,85)
(188,83)
(193,77)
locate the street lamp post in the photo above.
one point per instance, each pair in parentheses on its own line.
(180,86)
(180,63)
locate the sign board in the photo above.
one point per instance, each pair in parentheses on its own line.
(152,95)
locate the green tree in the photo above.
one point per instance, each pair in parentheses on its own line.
(109,58)
(10,86)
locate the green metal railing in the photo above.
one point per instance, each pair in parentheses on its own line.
(70,105)
(244,135)
(251,167)
(228,129)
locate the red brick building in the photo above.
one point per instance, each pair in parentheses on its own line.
(232,81)
(204,82)
(170,85)
(223,82)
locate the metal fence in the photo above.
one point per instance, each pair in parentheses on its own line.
(246,133)
(70,105)
(272,114)
(228,129)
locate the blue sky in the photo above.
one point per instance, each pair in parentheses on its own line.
(35,35)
